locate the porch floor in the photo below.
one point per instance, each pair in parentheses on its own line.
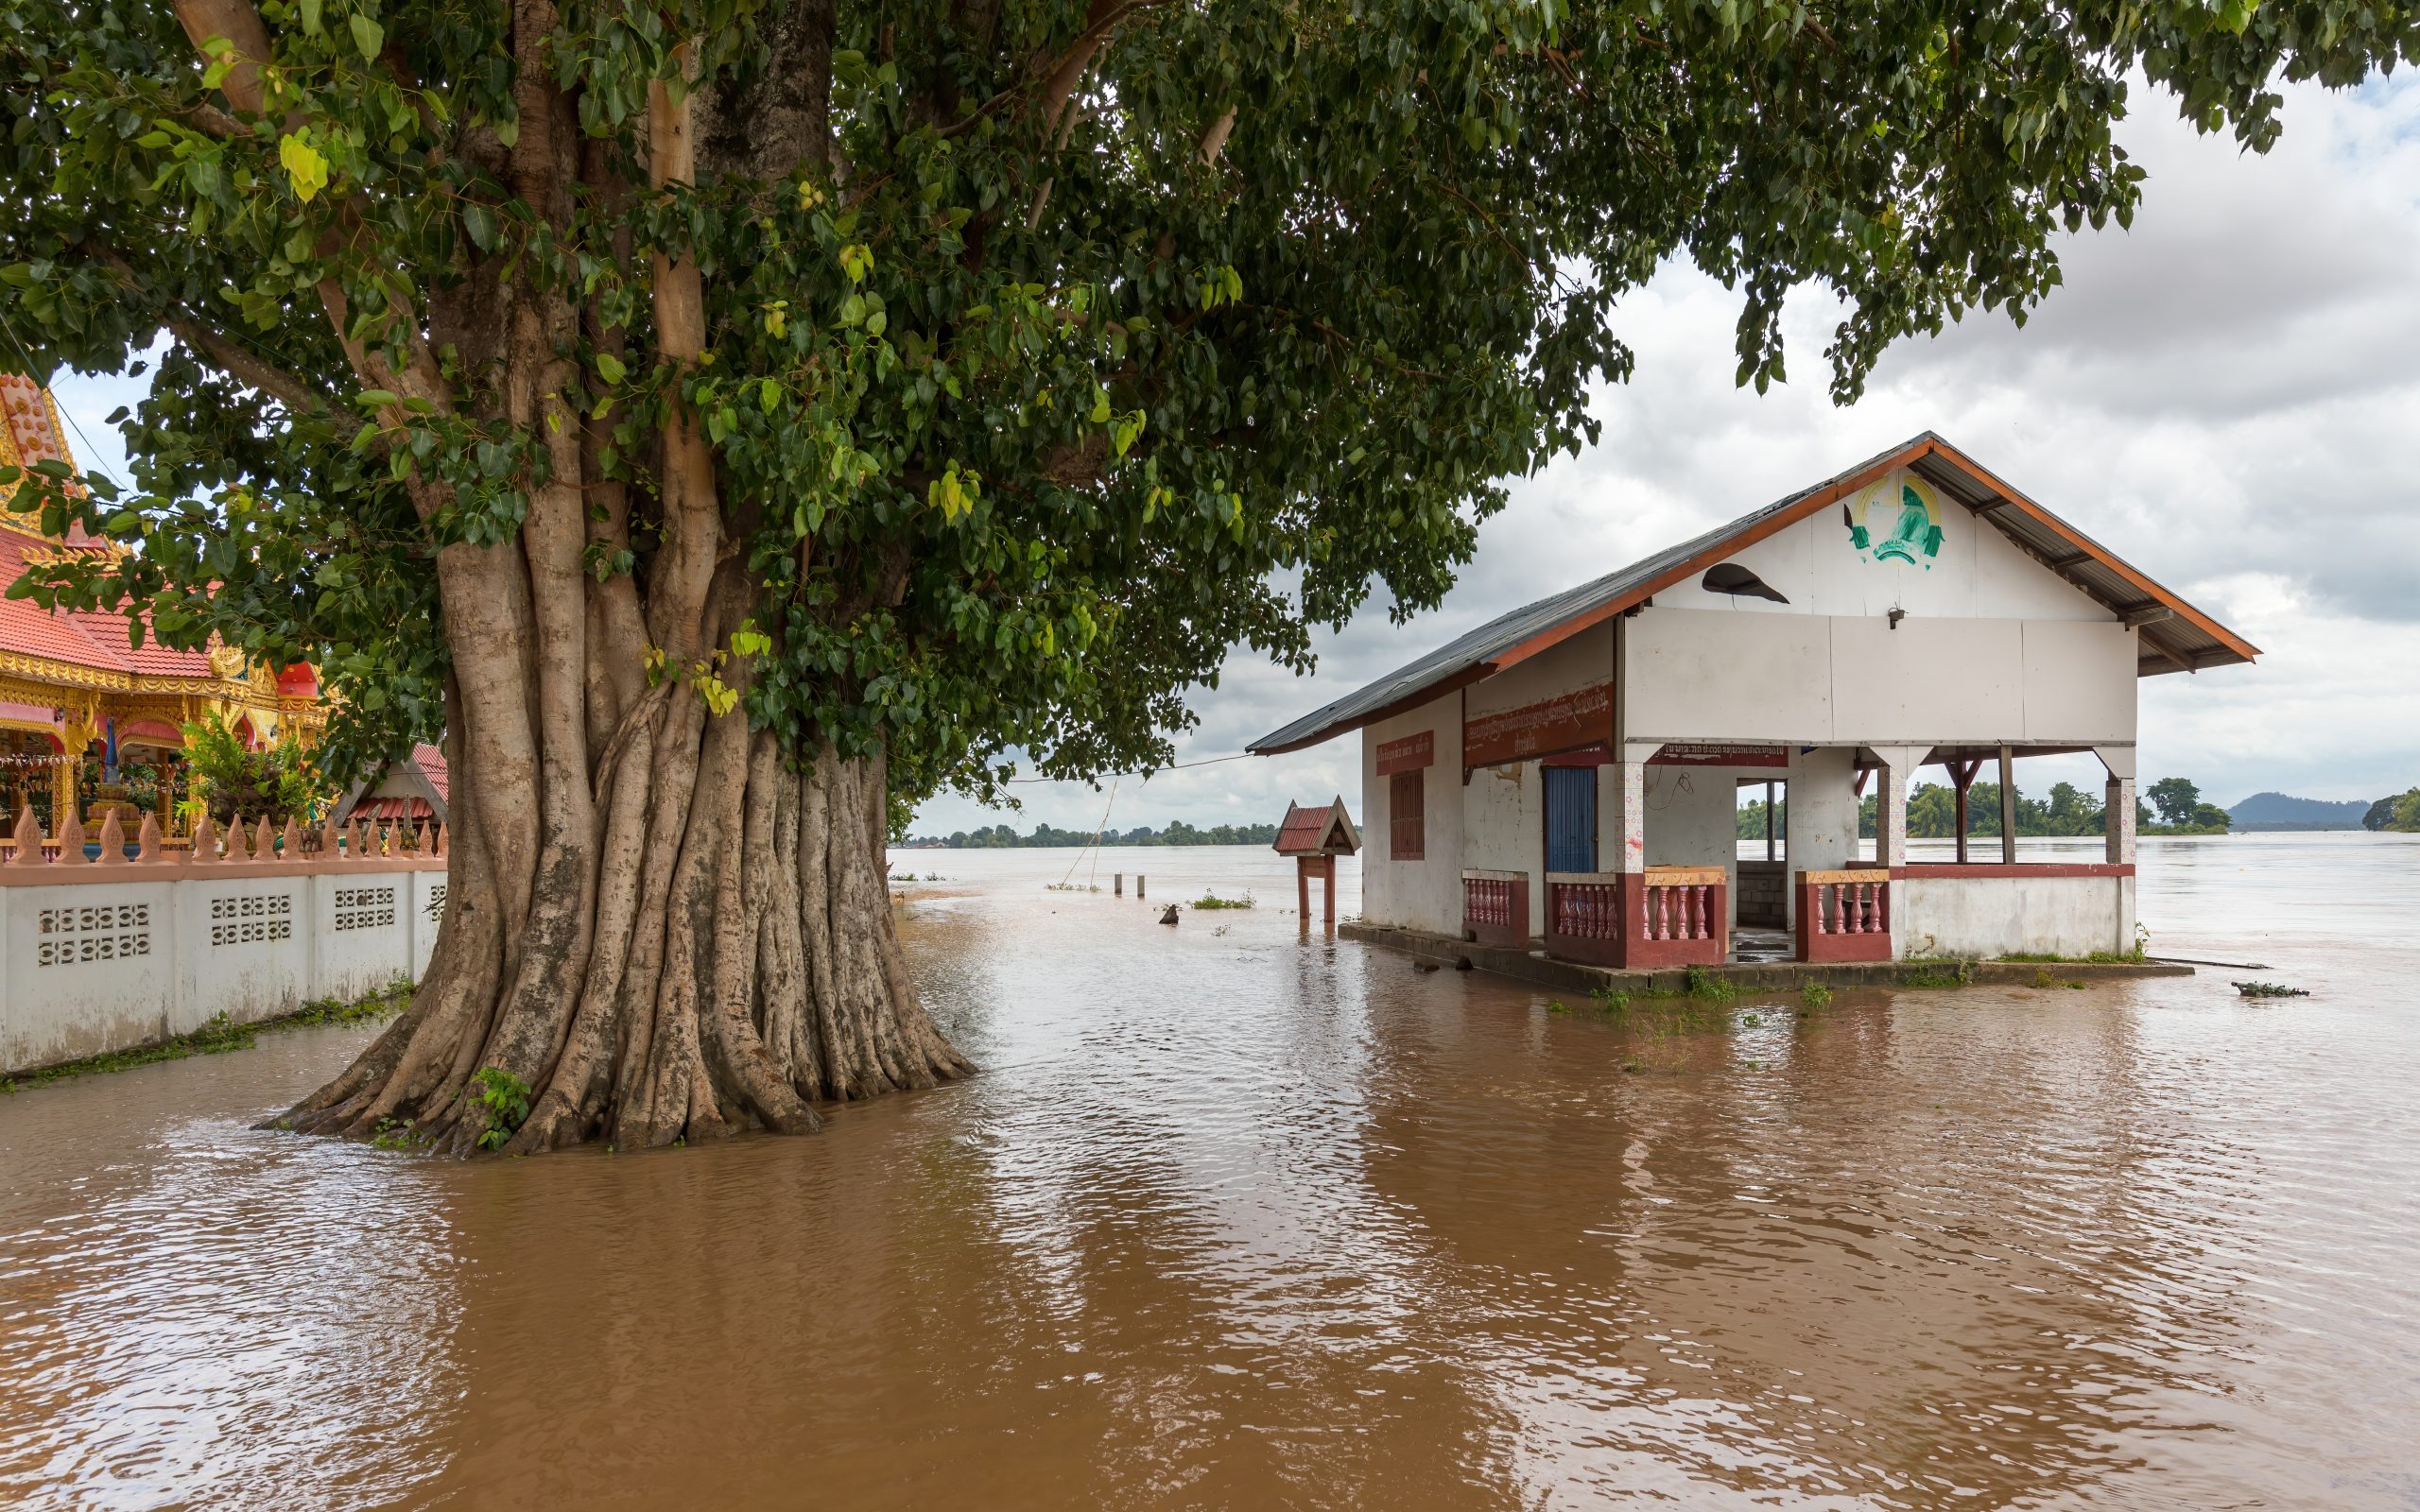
(1755,945)
(1756,973)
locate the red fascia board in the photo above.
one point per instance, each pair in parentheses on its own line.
(2099,553)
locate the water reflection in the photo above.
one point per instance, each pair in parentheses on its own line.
(1239,1219)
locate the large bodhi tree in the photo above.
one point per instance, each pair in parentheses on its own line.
(724,418)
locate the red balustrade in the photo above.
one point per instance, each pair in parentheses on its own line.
(1664,916)
(1496,907)
(1844,916)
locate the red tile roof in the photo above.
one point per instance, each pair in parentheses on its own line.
(95,638)
(431,762)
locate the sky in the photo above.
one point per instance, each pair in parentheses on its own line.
(2227,395)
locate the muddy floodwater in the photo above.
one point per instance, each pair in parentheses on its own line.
(1233,1219)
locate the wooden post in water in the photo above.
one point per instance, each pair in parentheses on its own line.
(1139,886)
(1117,884)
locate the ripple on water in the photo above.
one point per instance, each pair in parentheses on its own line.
(1237,1219)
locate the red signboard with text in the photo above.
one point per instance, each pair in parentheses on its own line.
(1578,719)
(1408,754)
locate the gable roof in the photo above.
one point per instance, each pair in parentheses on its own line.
(409,787)
(2174,636)
(1313,832)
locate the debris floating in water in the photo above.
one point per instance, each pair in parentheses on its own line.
(2268,990)
(1169,916)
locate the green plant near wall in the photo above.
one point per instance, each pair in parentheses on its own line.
(236,782)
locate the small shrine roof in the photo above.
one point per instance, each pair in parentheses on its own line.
(1323,831)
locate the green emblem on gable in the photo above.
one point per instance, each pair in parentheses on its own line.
(1895,519)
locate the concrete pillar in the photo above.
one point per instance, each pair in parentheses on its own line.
(1622,798)
(1821,834)
(1891,803)
(2118,808)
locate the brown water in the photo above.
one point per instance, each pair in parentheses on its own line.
(1233,1220)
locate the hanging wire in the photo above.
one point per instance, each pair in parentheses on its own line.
(91,453)
(1095,847)
(1146,773)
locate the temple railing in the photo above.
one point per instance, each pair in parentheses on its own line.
(32,857)
(105,950)
(1496,907)
(1661,917)
(1844,915)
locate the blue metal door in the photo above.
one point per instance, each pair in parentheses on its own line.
(1571,819)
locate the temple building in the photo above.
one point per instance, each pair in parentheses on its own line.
(1566,778)
(87,720)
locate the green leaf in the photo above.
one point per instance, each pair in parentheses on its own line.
(311,18)
(306,168)
(609,367)
(478,223)
(367,36)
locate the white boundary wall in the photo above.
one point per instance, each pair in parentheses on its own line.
(2026,912)
(95,958)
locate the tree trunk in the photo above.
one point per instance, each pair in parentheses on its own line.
(657,925)
(744,966)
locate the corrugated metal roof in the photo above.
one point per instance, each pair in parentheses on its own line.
(2175,636)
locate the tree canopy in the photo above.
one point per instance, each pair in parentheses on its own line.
(1046,350)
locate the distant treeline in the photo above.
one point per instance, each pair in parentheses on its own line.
(1000,837)
(2172,805)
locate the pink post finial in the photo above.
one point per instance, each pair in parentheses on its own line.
(263,841)
(420,838)
(112,840)
(28,839)
(290,840)
(443,830)
(205,841)
(234,850)
(328,837)
(147,839)
(71,840)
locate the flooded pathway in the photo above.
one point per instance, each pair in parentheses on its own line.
(1233,1220)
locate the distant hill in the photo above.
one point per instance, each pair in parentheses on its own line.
(2279,811)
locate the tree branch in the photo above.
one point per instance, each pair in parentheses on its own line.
(1059,79)
(1213,140)
(246,367)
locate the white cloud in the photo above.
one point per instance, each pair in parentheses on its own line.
(2225,395)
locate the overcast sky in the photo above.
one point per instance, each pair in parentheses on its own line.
(2228,396)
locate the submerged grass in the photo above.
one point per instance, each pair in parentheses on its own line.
(217,1038)
(2133,957)
(1940,973)
(1210,899)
